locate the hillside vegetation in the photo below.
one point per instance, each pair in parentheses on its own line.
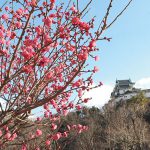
(126,126)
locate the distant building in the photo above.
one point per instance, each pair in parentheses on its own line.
(124,90)
(121,87)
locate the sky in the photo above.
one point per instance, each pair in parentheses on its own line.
(128,53)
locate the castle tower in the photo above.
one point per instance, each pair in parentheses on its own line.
(121,87)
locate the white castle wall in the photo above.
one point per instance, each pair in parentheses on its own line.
(147,94)
(130,95)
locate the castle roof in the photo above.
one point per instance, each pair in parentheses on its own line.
(124,82)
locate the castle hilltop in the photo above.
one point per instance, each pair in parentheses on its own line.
(125,90)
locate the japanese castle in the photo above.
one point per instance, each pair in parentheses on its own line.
(125,90)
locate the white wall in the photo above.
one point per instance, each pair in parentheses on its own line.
(130,95)
(147,94)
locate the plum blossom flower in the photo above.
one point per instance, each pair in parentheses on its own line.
(52,1)
(65,112)
(92,43)
(46,106)
(78,107)
(26,54)
(57,136)
(6,8)
(1,133)
(85,100)
(1,34)
(24,147)
(71,105)
(76,21)
(13,137)
(53,126)
(46,114)
(96,58)
(19,11)
(38,119)
(80,93)
(48,142)
(2,41)
(8,33)
(52,102)
(73,9)
(7,136)
(65,134)
(5,16)
(48,21)
(96,69)
(38,30)
(27,69)
(18,24)
(33,3)
(84,26)
(44,61)
(38,132)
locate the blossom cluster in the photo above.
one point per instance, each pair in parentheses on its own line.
(43,53)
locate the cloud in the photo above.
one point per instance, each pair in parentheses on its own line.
(143,83)
(100,95)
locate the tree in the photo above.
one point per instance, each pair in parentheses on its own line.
(126,125)
(44,47)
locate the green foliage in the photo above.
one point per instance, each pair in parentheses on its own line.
(140,99)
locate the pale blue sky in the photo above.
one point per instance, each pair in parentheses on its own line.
(128,53)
